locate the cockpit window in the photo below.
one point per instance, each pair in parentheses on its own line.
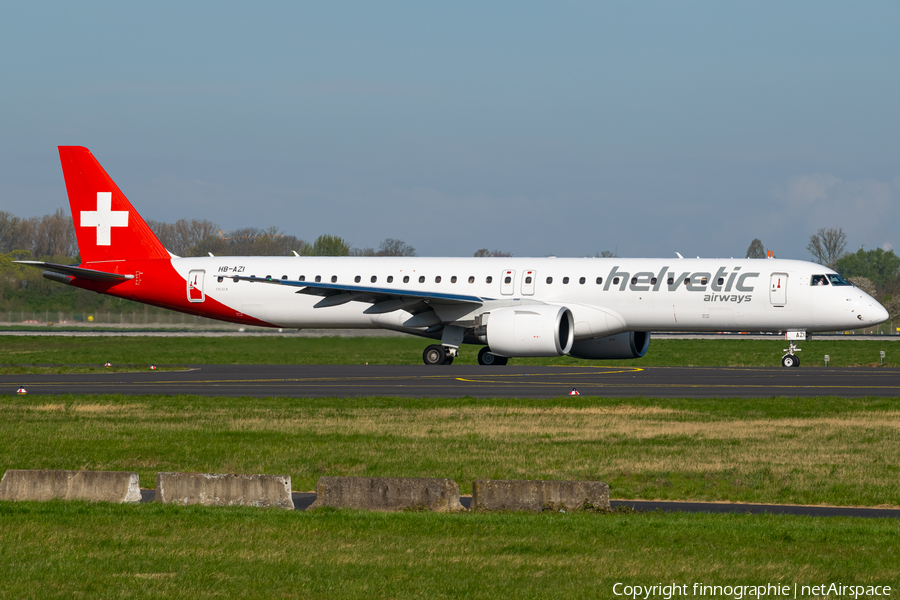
(819,280)
(837,279)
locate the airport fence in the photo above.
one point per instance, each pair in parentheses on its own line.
(135,318)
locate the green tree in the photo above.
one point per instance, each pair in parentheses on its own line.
(756,249)
(484,252)
(877,265)
(327,245)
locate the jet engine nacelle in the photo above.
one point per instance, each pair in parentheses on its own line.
(628,344)
(530,330)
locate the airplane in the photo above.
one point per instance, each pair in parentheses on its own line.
(588,308)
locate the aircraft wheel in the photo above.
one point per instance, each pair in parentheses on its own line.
(790,360)
(435,355)
(486,358)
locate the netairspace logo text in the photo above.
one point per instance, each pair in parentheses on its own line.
(739,592)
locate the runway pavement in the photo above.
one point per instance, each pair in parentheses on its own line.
(475,381)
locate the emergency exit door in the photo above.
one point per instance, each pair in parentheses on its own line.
(195,286)
(507,283)
(528,280)
(778,289)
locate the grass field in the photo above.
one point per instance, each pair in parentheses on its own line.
(803,451)
(73,549)
(16,350)
(791,450)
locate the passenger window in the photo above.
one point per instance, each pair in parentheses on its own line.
(599,280)
(471,279)
(422,279)
(390,279)
(453,279)
(334,279)
(488,279)
(406,279)
(549,280)
(284,276)
(704,281)
(318,278)
(373,279)
(437,279)
(582,280)
(357,279)
(220,279)
(615,281)
(269,277)
(720,281)
(653,281)
(507,279)
(819,280)
(670,280)
(528,280)
(687,281)
(302,278)
(565,280)
(236,279)
(634,281)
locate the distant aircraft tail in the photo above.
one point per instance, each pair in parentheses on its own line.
(106,225)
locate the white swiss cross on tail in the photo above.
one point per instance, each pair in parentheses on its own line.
(104,218)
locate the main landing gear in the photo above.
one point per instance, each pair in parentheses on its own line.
(437,354)
(486,358)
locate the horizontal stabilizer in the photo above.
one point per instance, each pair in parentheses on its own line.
(71,271)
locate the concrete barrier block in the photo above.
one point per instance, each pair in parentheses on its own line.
(213,489)
(97,486)
(500,494)
(388,493)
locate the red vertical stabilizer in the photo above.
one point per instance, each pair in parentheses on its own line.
(107,226)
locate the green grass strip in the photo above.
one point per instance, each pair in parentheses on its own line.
(772,450)
(75,549)
(15,350)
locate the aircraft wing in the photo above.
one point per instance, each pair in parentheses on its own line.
(79,272)
(383,300)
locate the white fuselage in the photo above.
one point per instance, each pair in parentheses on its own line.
(605,295)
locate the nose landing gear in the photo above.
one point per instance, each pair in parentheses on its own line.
(790,359)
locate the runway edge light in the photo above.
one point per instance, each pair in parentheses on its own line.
(574,392)
(22,390)
(108,364)
(152,367)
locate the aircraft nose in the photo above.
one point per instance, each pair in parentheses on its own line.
(871,311)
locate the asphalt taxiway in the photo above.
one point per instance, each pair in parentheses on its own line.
(462,380)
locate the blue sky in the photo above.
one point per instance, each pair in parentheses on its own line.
(537,128)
